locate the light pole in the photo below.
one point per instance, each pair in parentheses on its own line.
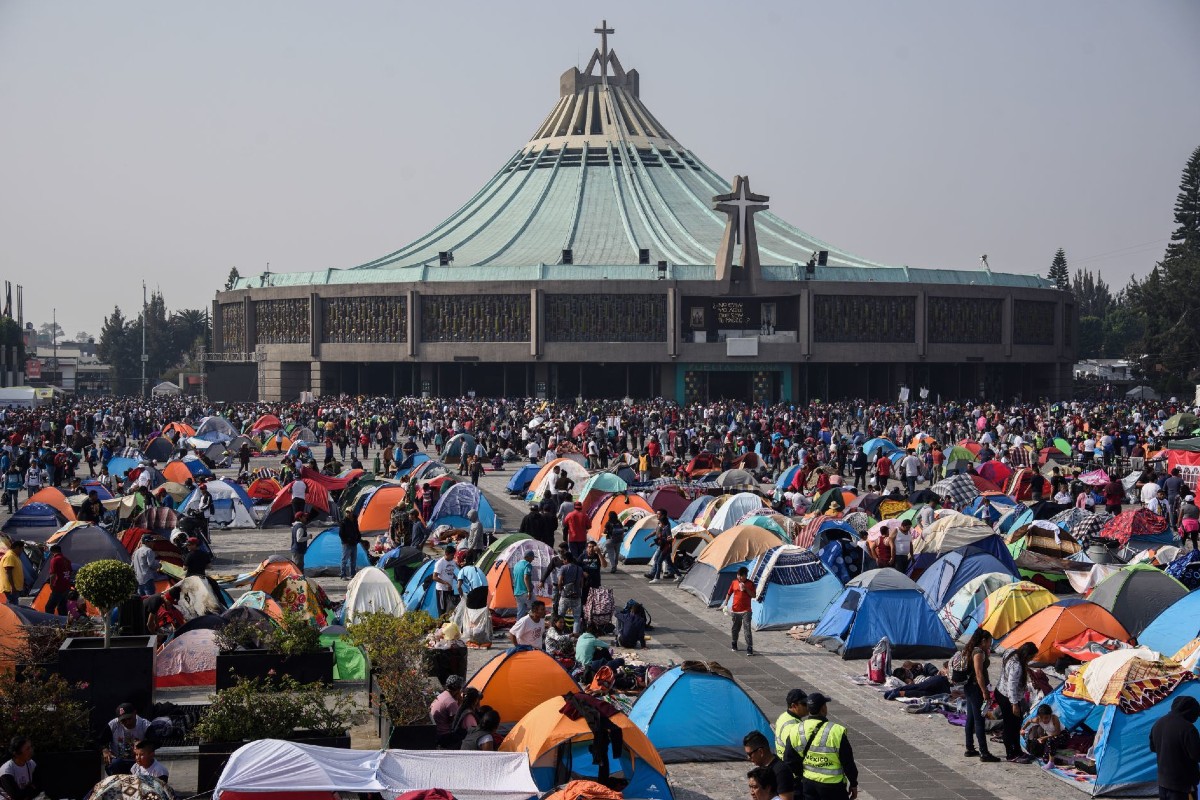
(144,358)
(54,340)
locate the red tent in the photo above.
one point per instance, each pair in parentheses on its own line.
(1141,522)
(267,422)
(317,497)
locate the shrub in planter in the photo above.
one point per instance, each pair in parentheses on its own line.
(106,584)
(395,647)
(275,707)
(293,649)
(43,707)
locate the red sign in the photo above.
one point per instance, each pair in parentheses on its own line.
(33,369)
(1188,463)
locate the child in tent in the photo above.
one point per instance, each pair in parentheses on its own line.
(1044,734)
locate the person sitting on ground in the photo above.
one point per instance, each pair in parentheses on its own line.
(124,729)
(17,774)
(467,717)
(1044,734)
(590,647)
(560,642)
(483,737)
(760,754)
(144,762)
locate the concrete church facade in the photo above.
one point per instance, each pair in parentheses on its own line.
(604,259)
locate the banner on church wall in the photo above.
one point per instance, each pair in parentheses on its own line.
(1188,463)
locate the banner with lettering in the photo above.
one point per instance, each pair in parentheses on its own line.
(1188,463)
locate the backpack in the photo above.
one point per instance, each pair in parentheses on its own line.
(631,629)
(880,665)
(960,670)
(598,610)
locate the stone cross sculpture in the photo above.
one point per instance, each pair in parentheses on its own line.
(740,205)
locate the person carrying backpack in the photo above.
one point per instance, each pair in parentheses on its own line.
(614,531)
(570,590)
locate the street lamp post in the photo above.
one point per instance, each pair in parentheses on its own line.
(144,358)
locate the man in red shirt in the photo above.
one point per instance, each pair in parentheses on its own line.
(883,471)
(740,593)
(576,524)
(60,581)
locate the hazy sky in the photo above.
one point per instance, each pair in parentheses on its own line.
(171,141)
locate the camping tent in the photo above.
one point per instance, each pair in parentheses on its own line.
(696,508)
(557,745)
(419,593)
(316,501)
(231,504)
(375,514)
(456,501)
(1055,624)
(1124,763)
(34,522)
(214,429)
(497,548)
(670,499)
(189,659)
(456,444)
(794,588)
(1177,625)
(324,555)
(516,681)
(638,546)
(733,509)
(671,712)
(13,621)
(958,612)
(882,602)
(718,563)
(371,590)
(955,569)
(544,480)
(271,769)
(518,484)
(1136,595)
(617,504)
(501,599)
(1009,606)
(601,483)
(53,497)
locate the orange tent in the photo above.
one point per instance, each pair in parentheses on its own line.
(177,471)
(272,572)
(1055,624)
(516,682)
(615,504)
(499,578)
(13,620)
(376,513)
(181,428)
(56,500)
(269,445)
(263,489)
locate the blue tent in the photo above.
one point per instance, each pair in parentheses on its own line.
(990,543)
(1000,503)
(1124,763)
(159,449)
(34,522)
(324,555)
(197,467)
(695,507)
(456,501)
(956,569)
(887,445)
(845,559)
(673,713)
(1014,519)
(882,602)
(1174,627)
(519,482)
(456,443)
(638,546)
(785,479)
(409,464)
(117,467)
(419,594)
(794,588)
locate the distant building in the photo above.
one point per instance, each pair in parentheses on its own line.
(605,259)
(72,367)
(1104,369)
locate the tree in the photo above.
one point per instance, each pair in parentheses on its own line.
(47,332)
(1124,329)
(232,280)
(1185,241)
(82,336)
(121,350)
(106,584)
(1059,273)
(1091,337)
(1092,295)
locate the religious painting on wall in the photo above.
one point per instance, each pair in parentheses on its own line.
(965,320)
(281,321)
(864,318)
(475,318)
(233,327)
(606,318)
(696,318)
(1033,322)
(348,320)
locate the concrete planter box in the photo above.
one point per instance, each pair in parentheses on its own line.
(307,668)
(120,673)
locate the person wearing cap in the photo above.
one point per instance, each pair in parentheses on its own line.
(819,753)
(797,710)
(299,539)
(575,526)
(445,578)
(444,709)
(145,566)
(759,753)
(195,560)
(125,729)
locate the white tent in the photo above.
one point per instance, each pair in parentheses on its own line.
(165,388)
(271,765)
(371,590)
(229,509)
(1142,393)
(215,429)
(733,510)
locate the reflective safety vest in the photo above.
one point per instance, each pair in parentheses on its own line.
(822,764)
(785,726)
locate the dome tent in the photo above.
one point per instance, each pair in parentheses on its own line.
(419,593)
(879,603)
(794,588)
(671,714)
(456,501)
(516,681)
(324,555)
(955,569)
(718,563)
(371,590)
(1136,595)
(231,504)
(1060,622)
(1177,625)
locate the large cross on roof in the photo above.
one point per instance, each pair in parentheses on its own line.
(604,31)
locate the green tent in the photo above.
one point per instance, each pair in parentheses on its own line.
(497,547)
(605,482)
(1063,446)
(1184,423)
(349,663)
(1189,445)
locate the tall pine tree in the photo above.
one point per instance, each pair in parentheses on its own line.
(1059,274)
(1185,241)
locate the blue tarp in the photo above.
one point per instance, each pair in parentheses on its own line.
(956,569)
(1124,763)
(324,555)
(669,713)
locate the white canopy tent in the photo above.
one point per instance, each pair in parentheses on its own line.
(271,769)
(371,590)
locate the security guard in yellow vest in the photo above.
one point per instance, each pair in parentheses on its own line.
(818,752)
(797,710)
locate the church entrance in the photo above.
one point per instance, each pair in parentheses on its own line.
(743,383)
